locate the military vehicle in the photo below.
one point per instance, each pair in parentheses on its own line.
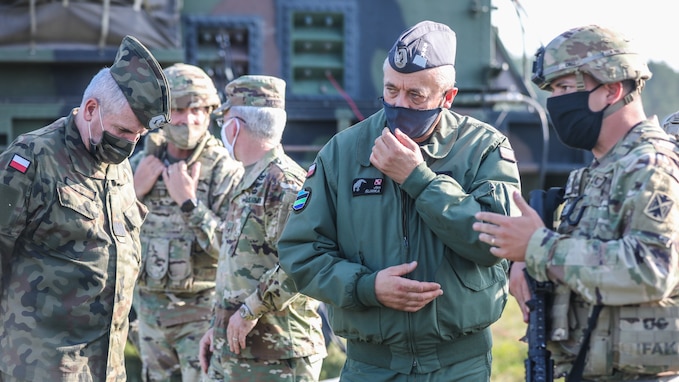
(330,52)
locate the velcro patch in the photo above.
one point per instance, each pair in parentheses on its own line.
(19,163)
(311,171)
(303,197)
(659,206)
(507,154)
(9,199)
(367,186)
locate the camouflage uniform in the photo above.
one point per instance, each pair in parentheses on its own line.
(69,241)
(616,245)
(288,332)
(180,249)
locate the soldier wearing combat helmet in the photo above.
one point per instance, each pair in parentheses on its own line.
(69,228)
(614,255)
(183,176)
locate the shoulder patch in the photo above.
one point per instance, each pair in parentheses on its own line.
(302,200)
(659,206)
(507,154)
(311,171)
(19,163)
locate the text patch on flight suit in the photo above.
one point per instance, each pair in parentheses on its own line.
(366,186)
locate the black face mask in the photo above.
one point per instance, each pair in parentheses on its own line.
(412,122)
(576,125)
(110,149)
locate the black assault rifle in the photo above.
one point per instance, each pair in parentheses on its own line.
(539,364)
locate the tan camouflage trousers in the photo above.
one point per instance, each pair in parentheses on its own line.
(227,369)
(167,353)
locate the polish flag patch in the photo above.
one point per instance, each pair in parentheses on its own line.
(19,163)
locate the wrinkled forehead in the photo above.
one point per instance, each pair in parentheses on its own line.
(423,81)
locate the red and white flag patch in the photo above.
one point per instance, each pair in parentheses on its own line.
(19,163)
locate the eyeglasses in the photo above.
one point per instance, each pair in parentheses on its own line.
(221,122)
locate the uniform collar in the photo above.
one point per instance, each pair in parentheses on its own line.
(630,141)
(253,171)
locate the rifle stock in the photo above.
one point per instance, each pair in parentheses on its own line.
(539,363)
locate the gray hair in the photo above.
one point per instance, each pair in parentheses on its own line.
(266,123)
(106,90)
(444,75)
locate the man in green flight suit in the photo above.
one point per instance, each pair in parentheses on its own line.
(69,228)
(381,230)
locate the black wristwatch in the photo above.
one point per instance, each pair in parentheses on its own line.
(189,205)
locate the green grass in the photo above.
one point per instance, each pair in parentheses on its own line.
(508,352)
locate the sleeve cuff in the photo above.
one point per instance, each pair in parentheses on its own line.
(256,307)
(537,253)
(365,290)
(418,180)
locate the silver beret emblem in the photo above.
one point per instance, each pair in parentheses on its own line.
(157,122)
(401,57)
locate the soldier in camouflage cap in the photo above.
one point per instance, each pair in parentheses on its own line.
(182,176)
(69,229)
(263,330)
(615,253)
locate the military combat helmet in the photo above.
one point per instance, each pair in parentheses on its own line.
(191,87)
(671,124)
(606,55)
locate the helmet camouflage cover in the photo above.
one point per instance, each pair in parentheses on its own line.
(671,124)
(606,55)
(191,87)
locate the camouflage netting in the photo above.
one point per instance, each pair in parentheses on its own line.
(79,23)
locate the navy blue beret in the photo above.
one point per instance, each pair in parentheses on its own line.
(426,45)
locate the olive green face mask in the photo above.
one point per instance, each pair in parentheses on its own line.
(183,136)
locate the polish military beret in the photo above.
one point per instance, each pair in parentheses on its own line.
(254,90)
(426,45)
(143,82)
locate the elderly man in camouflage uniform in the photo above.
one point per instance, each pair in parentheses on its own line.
(263,330)
(182,176)
(69,228)
(614,257)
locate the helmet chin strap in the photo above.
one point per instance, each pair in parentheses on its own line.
(612,108)
(624,101)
